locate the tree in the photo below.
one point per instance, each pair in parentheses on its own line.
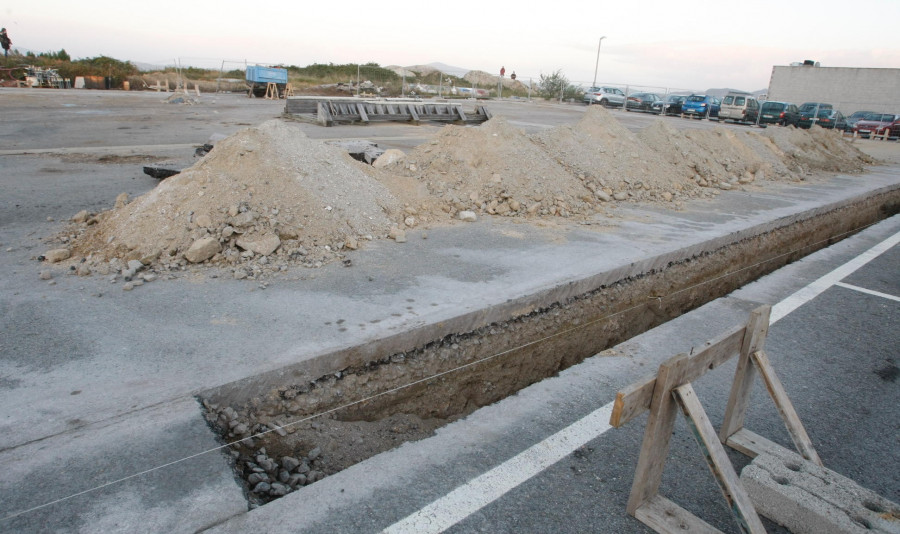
(552,85)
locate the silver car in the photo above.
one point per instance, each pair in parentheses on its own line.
(605,96)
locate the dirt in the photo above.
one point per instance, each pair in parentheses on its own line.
(269,198)
(376,405)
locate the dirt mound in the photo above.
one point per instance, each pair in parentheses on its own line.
(496,169)
(269,196)
(613,162)
(266,191)
(818,149)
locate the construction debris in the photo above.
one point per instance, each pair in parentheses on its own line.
(268,197)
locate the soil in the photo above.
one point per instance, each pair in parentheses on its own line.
(268,198)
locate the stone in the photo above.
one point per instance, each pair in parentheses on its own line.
(467,216)
(83,270)
(202,249)
(241,429)
(243,219)
(303,468)
(262,487)
(263,246)
(57,255)
(290,463)
(279,489)
(351,243)
(228,231)
(296,480)
(725,186)
(81,216)
(46,275)
(620,195)
(127,286)
(397,235)
(313,454)
(389,157)
(135,265)
(283,476)
(256,478)
(148,277)
(203,221)
(410,221)
(667,196)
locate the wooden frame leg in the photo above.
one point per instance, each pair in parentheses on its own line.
(741,505)
(657,435)
(786,408)
(754,340)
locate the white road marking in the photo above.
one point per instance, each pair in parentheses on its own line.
(813,290)
(474,495)
(485,489)
(868,291)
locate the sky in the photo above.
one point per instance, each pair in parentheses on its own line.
(693,44)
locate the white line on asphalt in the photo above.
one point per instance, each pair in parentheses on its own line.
(868,291)
(483,490)
(813,290)
(474,495)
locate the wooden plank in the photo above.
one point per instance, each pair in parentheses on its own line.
(738,400)
(752,444)
(632,401)
(362,112)
(717,459)
(666,517)
(635,399)
(657,434)
(786,408)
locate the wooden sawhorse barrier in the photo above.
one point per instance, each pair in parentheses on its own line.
(670,390)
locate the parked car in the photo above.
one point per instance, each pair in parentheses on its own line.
(855,117)
(878,124)
(783,113)
(605,96)
(808,111)
(670,105)
(701,106)
(832,119)
(739,107)
(641,101)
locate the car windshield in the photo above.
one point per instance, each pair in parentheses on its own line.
(860,114)
(739,101)
(697,98)
(613,90)
(773,106)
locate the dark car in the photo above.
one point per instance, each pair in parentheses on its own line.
(701,106)
(809,112)
(783,113)
(855,117)
(832,119)
(877,125)
(670,105)
(641,101)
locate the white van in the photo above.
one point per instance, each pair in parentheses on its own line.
(740,107)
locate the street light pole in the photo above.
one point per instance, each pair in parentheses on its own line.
(597,64)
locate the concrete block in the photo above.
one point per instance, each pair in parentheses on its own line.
(808,499)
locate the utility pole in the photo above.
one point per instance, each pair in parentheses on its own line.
(597,64)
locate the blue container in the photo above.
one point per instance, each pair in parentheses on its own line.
(257,74)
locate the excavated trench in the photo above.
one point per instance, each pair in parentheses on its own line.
(294,427)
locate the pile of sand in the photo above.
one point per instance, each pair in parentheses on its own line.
(269,196)
(613,162)
(494,169)
(263,191)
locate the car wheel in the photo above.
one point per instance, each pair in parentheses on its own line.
(603,102)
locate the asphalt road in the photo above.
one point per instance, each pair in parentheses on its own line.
(97,384)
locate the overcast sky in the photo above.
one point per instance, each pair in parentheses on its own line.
(694,44)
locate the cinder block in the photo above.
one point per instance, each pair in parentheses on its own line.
(808,499)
